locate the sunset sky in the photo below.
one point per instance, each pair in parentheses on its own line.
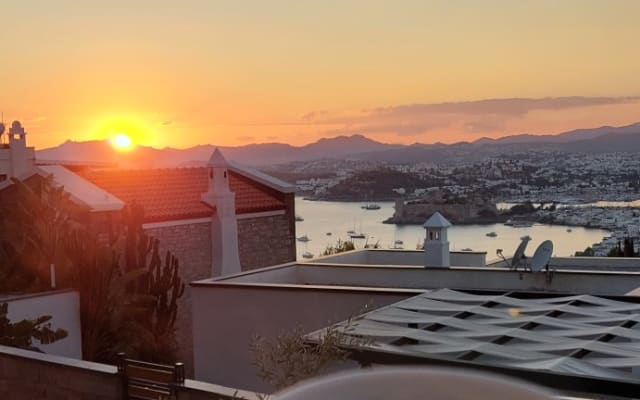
(182,73)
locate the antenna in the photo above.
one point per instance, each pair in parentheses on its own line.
(519,254)
(542,256)
(2,126)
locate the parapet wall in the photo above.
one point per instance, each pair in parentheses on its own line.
(28,375)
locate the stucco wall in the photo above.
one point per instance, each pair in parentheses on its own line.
(27,375)
(227,317)
(63,307)
(191,244)
(266,241)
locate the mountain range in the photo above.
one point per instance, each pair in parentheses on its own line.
(596,140)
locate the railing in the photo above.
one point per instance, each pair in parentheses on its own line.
(149,381)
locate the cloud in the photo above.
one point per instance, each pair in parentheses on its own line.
(166,123)
(511,107)
(481,116)
(311,116)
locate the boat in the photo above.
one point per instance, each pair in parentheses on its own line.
(307,254)
(371,206)
(299,218)
(351,232)
(303,238)
(492,234)
(569,230)
(329,233)
(397,245)
(518,223)
(525,237)
(467,249)
(356,235)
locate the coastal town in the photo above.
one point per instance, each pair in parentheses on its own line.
(574,189)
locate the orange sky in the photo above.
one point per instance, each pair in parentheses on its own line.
(234,72)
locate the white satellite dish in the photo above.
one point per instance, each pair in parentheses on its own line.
(542,256)
(519,254)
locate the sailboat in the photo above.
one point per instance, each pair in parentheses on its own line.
(356,235)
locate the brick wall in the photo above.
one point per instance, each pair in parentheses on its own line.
(266,241)
(191,244)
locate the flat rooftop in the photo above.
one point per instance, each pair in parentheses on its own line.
(400,270)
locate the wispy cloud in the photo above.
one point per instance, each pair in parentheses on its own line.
(481,116)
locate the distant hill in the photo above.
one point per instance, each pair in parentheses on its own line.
(597,140)
(253,154)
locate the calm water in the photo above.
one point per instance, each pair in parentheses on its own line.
(337,218)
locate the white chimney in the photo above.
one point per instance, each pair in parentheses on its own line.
(224,225)
(16,159)
(436,243)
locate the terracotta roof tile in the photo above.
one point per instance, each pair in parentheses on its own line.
(172,194)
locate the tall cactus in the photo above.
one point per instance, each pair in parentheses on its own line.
(157,290)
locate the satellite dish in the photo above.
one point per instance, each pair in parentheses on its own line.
(542,256)
(519,254)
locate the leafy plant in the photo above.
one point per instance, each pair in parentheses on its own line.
(21,334)
(35,220)
(340,247)
(290,358)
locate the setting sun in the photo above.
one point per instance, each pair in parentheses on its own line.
(121,141)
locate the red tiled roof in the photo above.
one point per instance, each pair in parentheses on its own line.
(173,194)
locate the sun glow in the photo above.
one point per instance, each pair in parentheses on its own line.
(121,141)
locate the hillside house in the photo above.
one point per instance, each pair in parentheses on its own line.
(217,220)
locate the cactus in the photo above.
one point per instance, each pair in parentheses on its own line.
(157,290)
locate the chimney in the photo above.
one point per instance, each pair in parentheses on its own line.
(16,159)
(224,225)
(436,243)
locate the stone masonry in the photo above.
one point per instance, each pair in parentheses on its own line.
(265,241)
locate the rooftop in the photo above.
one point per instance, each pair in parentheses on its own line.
(577,335)
(171,194)
(403,270)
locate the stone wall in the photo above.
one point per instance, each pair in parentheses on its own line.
(266,241)
(191,244)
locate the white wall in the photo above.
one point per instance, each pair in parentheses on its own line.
(226,317)
(401,257)
(63,306)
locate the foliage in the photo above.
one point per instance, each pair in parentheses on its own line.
(128,292)
(624,249)
(21,334)
(525,208)
(588,252)
(156,290)
(127,305)
(31,235)
(290,358)
(340,247)
(375,245)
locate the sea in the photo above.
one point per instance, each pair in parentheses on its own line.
(325,222)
